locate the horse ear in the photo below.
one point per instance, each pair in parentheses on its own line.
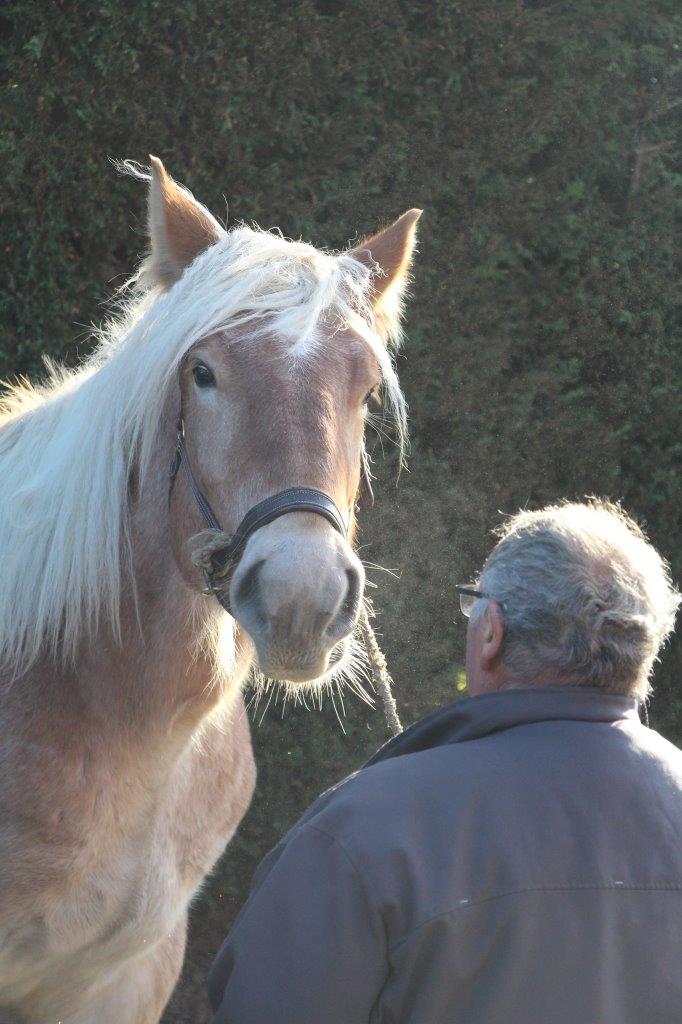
(388,254)
(179,227)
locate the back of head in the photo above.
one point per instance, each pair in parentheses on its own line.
(586,599)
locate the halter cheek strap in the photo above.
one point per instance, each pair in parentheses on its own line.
(294,499)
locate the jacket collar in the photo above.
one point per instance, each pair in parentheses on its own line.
(475,717)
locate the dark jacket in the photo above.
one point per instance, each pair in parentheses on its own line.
(515,858)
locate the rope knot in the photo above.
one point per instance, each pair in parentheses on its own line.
(204,547)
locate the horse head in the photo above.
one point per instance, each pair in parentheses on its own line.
(276,398)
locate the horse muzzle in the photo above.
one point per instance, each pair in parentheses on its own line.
(297,591)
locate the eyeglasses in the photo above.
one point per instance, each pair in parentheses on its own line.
(468,597)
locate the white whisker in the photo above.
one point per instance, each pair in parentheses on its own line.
(336,712)
(273,689)
(381,568)
(339,690)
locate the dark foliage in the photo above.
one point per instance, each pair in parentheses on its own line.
(543,360)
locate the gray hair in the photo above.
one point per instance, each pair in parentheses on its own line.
(585,597)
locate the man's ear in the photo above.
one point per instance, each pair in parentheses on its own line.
(492,635)
(180,228)
(388,254)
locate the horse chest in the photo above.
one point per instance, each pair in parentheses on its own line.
(118,836)
(128,886)
(202,803)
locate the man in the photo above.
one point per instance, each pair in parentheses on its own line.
(514,858)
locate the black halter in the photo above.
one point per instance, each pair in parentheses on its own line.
(294,499)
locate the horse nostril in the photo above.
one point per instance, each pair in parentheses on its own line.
(248,595)
(352,601)
(344,620)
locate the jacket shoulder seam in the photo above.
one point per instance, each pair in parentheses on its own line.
(337,842)
(466,904)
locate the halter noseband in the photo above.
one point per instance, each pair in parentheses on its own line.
(294,499)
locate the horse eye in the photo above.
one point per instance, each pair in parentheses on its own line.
(372,396)
(203,377)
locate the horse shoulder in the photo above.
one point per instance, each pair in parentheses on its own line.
(214,788)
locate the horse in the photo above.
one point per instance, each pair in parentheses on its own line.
(125,754)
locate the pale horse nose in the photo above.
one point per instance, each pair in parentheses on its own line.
(297,592)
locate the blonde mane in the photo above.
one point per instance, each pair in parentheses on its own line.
(68,446)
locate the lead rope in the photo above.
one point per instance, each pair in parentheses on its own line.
(380,677)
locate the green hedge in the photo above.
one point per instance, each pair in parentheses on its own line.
(543,353)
